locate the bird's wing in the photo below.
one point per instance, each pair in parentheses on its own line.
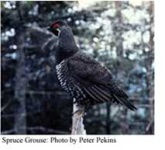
(96,80)
(88,70)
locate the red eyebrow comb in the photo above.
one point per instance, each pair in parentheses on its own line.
(56,25)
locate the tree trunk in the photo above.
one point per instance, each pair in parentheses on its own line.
(150,76)
(77,119)
(108,125)
(20,90)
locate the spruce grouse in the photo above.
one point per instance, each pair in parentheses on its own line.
(87,81)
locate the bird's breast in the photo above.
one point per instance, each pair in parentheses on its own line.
(62,75)
(68,82)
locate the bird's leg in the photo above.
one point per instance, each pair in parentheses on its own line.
(80,111)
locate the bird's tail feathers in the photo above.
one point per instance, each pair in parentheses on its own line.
(124,102)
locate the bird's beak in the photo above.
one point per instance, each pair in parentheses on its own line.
(56,31)
(48,28)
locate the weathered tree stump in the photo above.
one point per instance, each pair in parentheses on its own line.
(77,120)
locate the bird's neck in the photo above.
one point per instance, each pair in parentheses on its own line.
(66,46)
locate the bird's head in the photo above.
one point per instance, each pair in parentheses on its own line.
(66,45)
(57,26)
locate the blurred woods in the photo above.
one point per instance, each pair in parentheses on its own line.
(118,34)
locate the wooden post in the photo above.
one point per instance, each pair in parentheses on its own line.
(77,119)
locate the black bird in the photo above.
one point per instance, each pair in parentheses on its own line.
(87,81)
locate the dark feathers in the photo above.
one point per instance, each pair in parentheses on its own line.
(83,77)
(95,81)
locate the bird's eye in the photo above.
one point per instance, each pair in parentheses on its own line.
(55,26)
